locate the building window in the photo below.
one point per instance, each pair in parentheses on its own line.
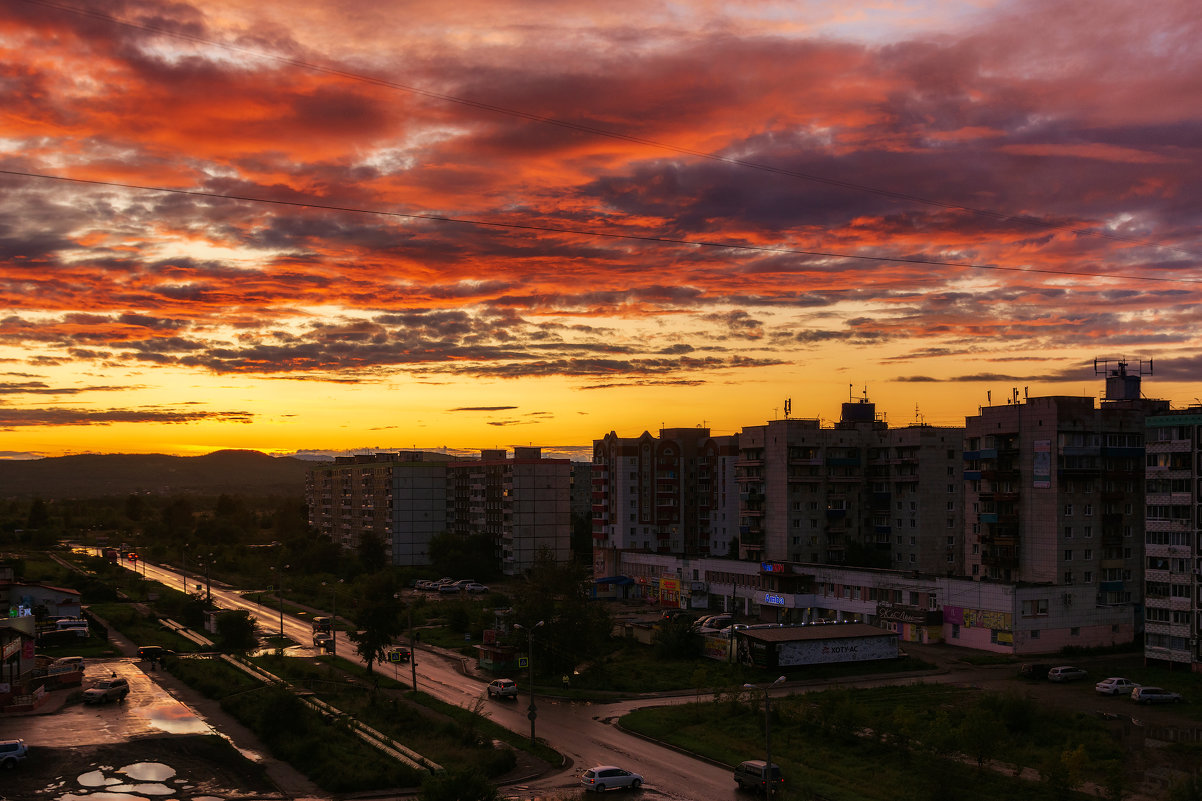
(1068,532)
(1068,510)
(1068,577)
(1035,634)
(1089,532)
(1089,510)
(1088,554)
(1068,556)
(1089,577)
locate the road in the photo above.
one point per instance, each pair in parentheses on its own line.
(583,732)
(586,734)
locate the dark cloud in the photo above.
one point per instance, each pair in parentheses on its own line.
(17,418)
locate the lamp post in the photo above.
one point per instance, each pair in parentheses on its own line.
(769,783)
(334,617)
(279,594)
(183,568)
(208,582)
(532,713)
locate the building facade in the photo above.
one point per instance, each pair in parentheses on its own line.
(858,493)
(1172,550)
(406,499)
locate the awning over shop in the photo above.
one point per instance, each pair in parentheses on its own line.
(616,580)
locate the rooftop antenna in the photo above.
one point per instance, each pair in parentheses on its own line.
(788,407)
(989,397)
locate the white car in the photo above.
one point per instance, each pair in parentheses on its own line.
(502,688)
(1115,685)
(607,777)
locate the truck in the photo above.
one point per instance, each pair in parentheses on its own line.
(111,554)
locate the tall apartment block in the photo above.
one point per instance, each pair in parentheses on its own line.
(408,498)
(1172,545)
(401,498)
(523,503)
(674,493)
(1054,491)
(857,493)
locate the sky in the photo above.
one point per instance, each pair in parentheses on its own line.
(336,226)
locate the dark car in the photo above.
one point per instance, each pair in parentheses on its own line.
(1034,671)
(154,653)
(758,775)
(102,692)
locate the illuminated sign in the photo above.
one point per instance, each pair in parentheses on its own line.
(774,599)
(771,567)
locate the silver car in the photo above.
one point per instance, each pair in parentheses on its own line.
(607,777)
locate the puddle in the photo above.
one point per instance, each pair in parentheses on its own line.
(149,784)
(174,718)
(148,771)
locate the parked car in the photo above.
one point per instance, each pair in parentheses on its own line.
(502,688)
(715,624)
(1115,685)
(476,586)
(1066,673)
(448,589)
(607,777)
(154,652)
(756,774)
(1155,695)
(1032,670)
(65,664)
(114,689)
(12,752)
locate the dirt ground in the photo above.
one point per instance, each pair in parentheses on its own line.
(203,765)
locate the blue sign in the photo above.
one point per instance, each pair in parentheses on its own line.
(774,599)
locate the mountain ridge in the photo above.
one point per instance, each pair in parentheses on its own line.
(246,472)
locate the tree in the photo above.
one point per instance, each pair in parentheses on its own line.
(458,785)
(575,629)
(377,619)
(474,555)
(236,631)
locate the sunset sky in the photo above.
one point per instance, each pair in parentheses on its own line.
(336,226)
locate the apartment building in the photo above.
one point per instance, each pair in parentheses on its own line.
(1172,549)
(674,493)
(857,493)
(401,498)
(1054,493)
(405,499)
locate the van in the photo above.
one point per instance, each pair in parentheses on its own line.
(323,624)
(758,775)
(79,627)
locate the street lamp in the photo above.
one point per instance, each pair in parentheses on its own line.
(334,618)
(183,567)
(769,781)
(279,594)
(532,713)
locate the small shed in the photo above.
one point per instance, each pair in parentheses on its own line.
(813,644)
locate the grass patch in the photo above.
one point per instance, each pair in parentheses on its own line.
(893,743)
(446,734)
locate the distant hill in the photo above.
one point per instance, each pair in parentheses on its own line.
(96,475)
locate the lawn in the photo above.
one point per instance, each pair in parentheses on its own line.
(916,743)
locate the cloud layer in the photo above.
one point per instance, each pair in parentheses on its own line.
(648,195)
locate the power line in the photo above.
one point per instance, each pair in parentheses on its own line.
(304,204)
(617,135)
